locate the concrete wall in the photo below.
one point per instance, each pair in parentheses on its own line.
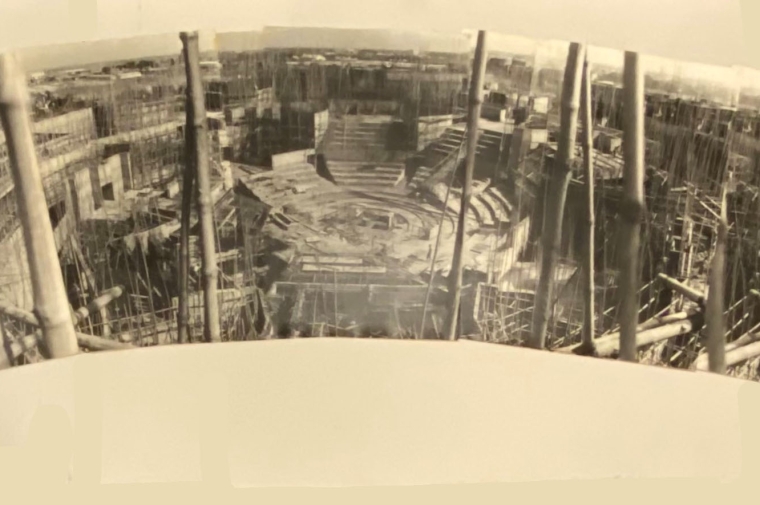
(85,199)
(110,172)
(321,121)
(430,128)
(291,158)
(79,121)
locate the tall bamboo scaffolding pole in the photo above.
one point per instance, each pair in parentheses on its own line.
(557,193)
(633,202)
(714,318)
(51,304)
(200,155)
(588,251)
(183,308)
(434,257)
(476,93)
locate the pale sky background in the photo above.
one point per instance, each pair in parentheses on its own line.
(84,53)
(710,31)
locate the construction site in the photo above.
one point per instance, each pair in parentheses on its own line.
(335,186)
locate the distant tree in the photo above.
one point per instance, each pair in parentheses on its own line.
(106,70)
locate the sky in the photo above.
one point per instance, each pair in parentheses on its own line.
(547,51)
(343,38)
(85,53)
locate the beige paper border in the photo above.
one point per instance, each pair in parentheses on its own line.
(29,473)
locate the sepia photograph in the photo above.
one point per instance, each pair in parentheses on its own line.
(319,182)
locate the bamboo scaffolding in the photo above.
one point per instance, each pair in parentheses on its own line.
(183,308)
(50,300)
(588,252)
(476,93)
(714,317)
(557,193)
(14,350)
(434,257)
(91,342)
(633,203)
(200,155)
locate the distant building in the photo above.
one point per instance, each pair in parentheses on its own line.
(540,104)
(36,76)
(99,77)
(130,75)
(74,71)
(211,65)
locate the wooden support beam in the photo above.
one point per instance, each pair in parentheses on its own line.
(50,300)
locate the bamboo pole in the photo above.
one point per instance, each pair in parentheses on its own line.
(608,345)
(434,257)
(714,318)
(197,114)
(50,300)
(735,356)
(455,279)
(633,202)
(183,309)
(588,252)
(702,363)
(652,324)
(557,193)
(682,289)
(98,304)
(188,187)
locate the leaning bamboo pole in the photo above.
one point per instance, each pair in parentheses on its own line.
(588,250)
(682,289)
(200,156)
(741,346)
(633,203)
(434,257)
(557,193)
(476,94)
(50,300)
(183,308)
(98,304)
(714,317)
(658,329)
